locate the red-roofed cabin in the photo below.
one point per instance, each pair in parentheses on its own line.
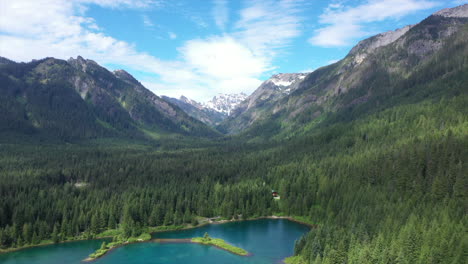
(275,194)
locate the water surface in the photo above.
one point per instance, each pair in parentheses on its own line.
(269,240)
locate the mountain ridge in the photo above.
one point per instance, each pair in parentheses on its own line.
(212,112)
(110,103)
(363,74)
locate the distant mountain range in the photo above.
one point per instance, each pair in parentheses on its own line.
(268,93)
(212,112)
(80,99)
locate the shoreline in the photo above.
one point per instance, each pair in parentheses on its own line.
(88,259)
(10,250)
(290,218)
(190,241)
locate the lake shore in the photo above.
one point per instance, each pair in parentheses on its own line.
(195,241)
(168,229)
(290,218)
(215,242)
(9,250)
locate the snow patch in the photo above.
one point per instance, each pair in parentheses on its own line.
(281,82)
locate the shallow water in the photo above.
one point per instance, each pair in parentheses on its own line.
(269,240)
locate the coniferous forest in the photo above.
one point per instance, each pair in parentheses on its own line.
(382,179)
(391,188)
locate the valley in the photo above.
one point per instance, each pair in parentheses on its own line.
(370,152)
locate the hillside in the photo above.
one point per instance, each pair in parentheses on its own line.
(390,69)
(79,99)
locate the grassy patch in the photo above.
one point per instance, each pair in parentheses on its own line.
(109,233)
(304,219)
(165,228)
(220,243)
(294,260)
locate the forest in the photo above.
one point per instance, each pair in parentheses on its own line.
(390,187)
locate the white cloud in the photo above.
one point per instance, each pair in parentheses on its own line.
(172,35)
(147,21)
(58,31)
(207,67)
(121,3)
(345,24)
(221,13)
(230,63)
(199,21)
(266,26)
(222,58)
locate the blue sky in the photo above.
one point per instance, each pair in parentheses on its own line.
(199,48)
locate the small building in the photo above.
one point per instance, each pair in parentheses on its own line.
(275,195)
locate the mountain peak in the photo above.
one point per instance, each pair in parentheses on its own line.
(459,11)
(225,103)
(81,63)
(191,102)
(125,76)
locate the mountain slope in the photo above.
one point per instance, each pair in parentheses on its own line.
(80,99)
(382,71)
(249,110)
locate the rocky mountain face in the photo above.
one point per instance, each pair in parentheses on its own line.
(212,112)
(80,99)
(460,11)
(375,72)
(225,103)
(197,110)
(270,91)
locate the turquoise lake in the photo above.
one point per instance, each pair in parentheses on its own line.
(269,240)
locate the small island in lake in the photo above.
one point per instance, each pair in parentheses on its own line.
(217,242)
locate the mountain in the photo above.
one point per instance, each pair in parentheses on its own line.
(197,110)
(410,64)
(225,103)
(270,91)
(212,112)
(80,99)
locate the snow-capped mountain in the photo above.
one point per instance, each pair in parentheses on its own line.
(270,91)
(284,81)
(211,112)
(225,103)
(273,89)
